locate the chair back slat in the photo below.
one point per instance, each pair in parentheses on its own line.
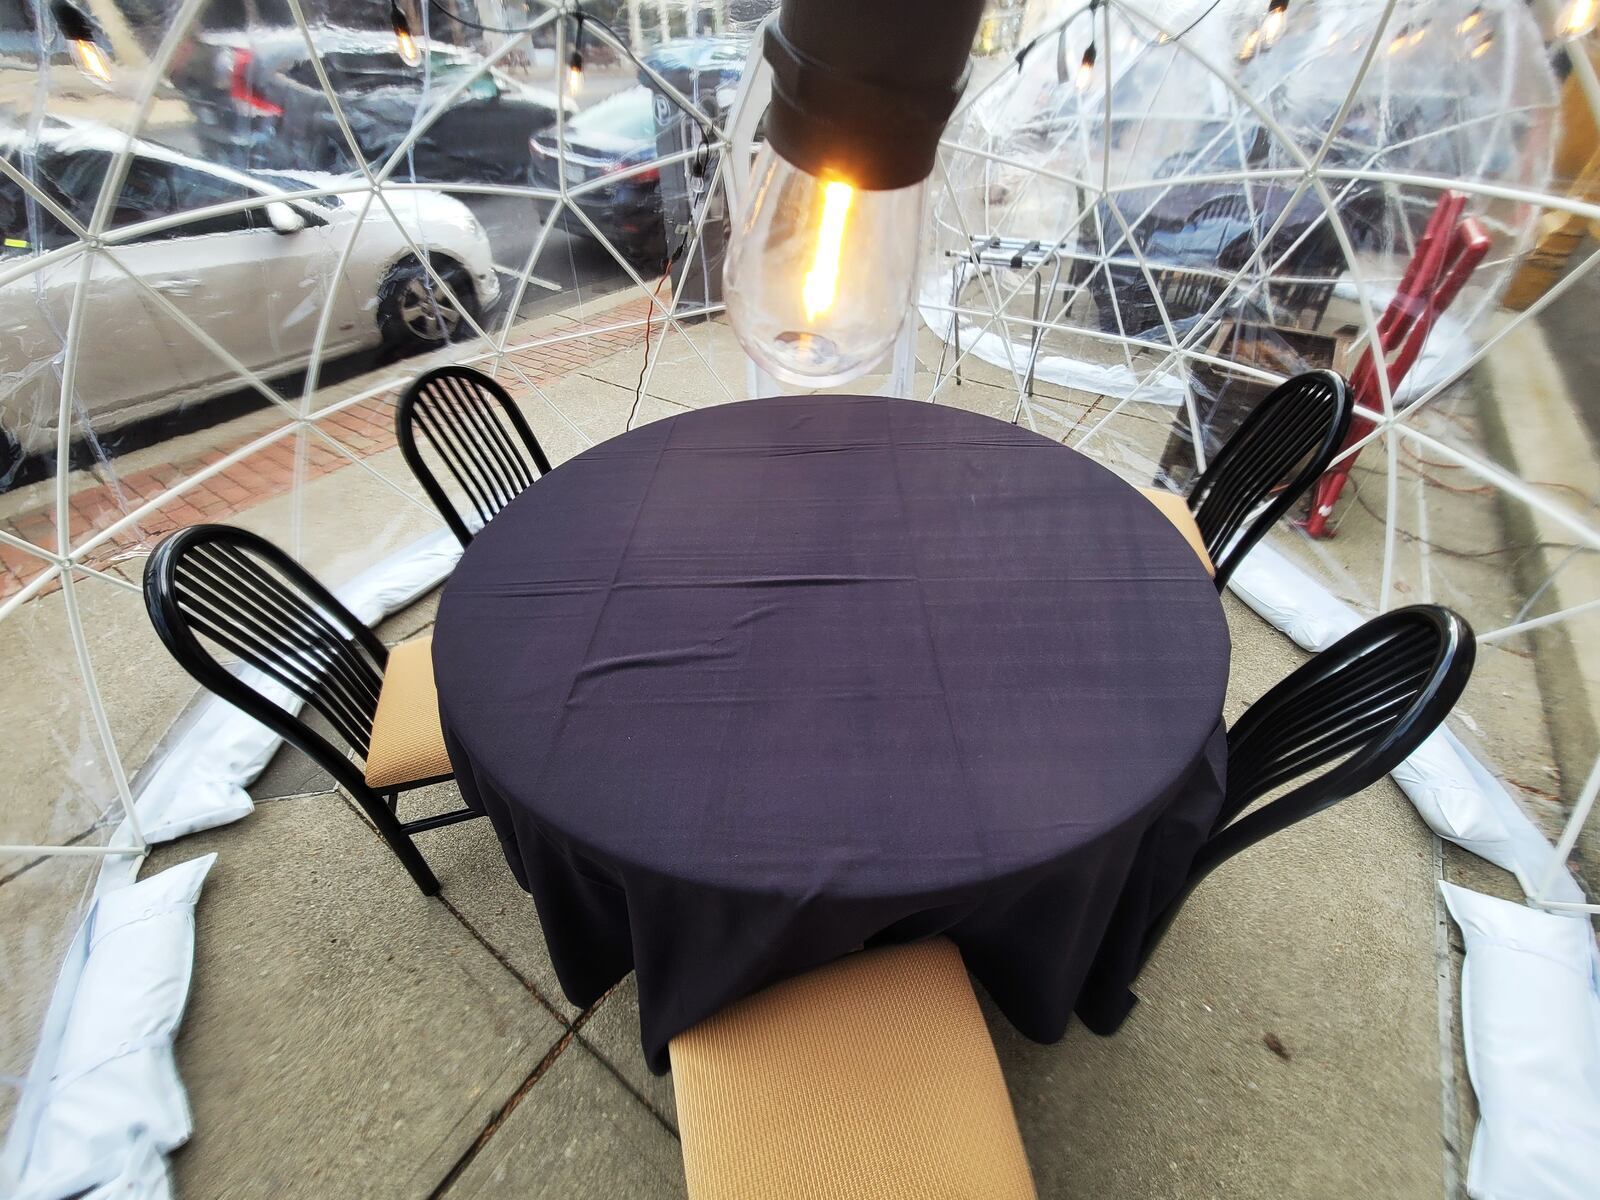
(475,435)
(214,591)
(1278,452)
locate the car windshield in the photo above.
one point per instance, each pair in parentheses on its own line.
(628,114)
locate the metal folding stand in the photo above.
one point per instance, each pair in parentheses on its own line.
(1014,254)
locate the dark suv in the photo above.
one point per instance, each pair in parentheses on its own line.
(259,104)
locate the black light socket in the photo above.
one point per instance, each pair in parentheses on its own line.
(862,90)
(71,23)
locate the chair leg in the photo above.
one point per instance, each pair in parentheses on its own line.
(388,826)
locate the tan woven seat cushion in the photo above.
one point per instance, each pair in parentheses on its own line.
(407,743)
(1176,510)
(872,1078)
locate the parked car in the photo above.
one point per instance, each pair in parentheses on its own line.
(634,126)
(255,281)
(608,138)
(259,104)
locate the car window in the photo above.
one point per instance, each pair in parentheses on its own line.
(74,178)
(152,189)
(290,183)
(627,114)
(146,194)
(22,230)
(358,71)
(193,189)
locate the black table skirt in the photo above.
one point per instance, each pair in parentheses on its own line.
(749,688)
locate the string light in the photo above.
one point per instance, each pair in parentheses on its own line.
(1401,40)
(1482,47)
(404,44)
(1417,34)
(1277,17)
(575,59)
(1085,75)
(1247,51)
(1579,19)
(1471,21)
(87,56)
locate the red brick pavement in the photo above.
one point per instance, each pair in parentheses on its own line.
(363,429)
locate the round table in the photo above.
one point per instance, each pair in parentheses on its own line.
(747,688)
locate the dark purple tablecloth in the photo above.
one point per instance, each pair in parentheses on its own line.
(748,688)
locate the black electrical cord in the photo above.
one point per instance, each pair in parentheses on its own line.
(649,313)
(580,17)
(1026,50)
(460,20)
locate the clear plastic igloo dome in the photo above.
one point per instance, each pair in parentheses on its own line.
(234,230)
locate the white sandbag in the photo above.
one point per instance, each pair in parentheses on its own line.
(1530,1013)
(143,1175)
(406,574)
(109,1078)
(1290,600)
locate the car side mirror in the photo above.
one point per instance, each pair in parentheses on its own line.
(284,217)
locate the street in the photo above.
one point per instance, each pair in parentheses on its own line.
(568,262)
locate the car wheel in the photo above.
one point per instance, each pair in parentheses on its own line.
(414,312)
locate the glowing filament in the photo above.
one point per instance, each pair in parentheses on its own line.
(1085,75)
(822,281)
(1580,18)
(404,44)
(91,60)
(1277,17)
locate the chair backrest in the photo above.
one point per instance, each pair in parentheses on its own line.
(249,599)
(1364,704)
(470,425)
(1285,443)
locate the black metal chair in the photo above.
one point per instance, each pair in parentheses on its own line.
(1280,450)
(473,428)
(1364,704)
(248,598)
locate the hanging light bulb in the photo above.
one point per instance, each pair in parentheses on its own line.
(1247,49)
(1401,40)
(86,54)
(1417,34)
(821,270)
(575,59)
(1471,21)
(1579,19)
(1085,73)
(1482,48)
(1273,24)
(404,44)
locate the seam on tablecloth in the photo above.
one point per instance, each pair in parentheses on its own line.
(981,841)
(605,603)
